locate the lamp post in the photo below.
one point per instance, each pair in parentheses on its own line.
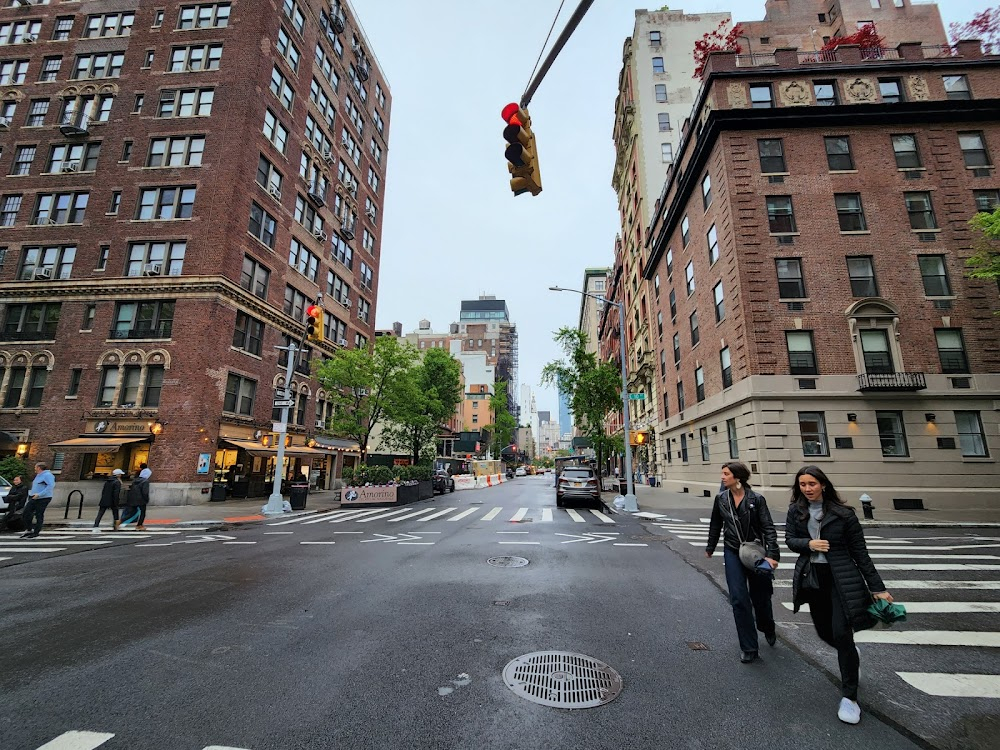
(630,502)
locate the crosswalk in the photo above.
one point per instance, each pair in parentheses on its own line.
(85,740)
(474,514)
(75,539)
(965,570)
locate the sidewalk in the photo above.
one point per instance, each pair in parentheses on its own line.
(691,507)
(230,511)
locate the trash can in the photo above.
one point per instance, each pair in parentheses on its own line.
(218,492)
(623,487)
(297,493)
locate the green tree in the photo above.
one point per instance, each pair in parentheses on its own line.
(361,382)
(594,389)
(502,429)
(424,399)
(985,263)
(12,466)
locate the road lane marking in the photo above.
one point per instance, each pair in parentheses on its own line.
(546,515)
(463,514)
(77,741)
(409,515)
(513,532)
(521,513)
(317,542)
(937,566)
(504,541)
(348,532)
(32,549)
(279,532)
(432,516)
(964,638)
(239,542)
(384,515)
(933,608)
(575,516)
(33,543)
(356,516)
(299,518)
(492,514)
(926,585)
(601,516)
(625,544)
(947,685)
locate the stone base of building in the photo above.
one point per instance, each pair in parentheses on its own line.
(160,493)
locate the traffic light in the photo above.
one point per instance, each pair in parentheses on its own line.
(314,323)
(522,157)
(640,437)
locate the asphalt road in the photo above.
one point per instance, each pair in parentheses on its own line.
(394,632)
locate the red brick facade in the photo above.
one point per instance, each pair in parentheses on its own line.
(157,137)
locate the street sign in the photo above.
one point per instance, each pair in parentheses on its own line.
(278,427)
(637,397)
(280,403)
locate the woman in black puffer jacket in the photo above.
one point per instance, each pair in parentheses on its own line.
(828,537)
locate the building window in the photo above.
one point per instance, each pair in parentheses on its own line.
(109,384)
(182,151)
(23,158)
(825,92)
(973,147)
(876,352)
(780,216)
(15,387)
(364,310)
(240,393)
(268,177)
(850,213)
(37,112)
(288,50)
(706,191)
(986,200)
(699,384)
(302,260)
(892,433)
(684,444)
(658,65)
(9,206)
(248,334)
(689,277)
(685,230)
(13,72)
(281,89)
(891,90)
(126,152)
(680,406)
(203,16)
(951,350)
(166,203)
(673,306)
(60,208)
(734,446)
(713,245)
(157,19)
(155,258)
(101,65)
(78,157)
(147,61)
(934,275)
(838,153)
(116,202)
(921,211)
(89,314)
(971,436)
(63,28)
(904,146)
(861,271)
(654,38)
(761,96)
(695,334)
(677,349)
(254,277)
(661,92)
(262,225)
(137,106)
(726,365)
(74,382)
(194,58)
(109,24)
(154,385)
(56,261)
(772,156)
(703,438)
(50,68)
(102,257)
(153,319)
(36,321)
(719,302)
(128,394)
(36,387)
(791,284)
(812,429)
(84,110)
(957,87)
(801,353)
(663,121)
(276,133)
(186,103)
(666,153)
(670,262)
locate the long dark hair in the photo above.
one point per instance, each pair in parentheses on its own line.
(739,470)
(830,494)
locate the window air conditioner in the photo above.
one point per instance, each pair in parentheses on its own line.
(345,140)
(28,39)
(71,166)
(152,269)
(328,156)
(275,192)
(342,342)
(42,273)
(345,301)
(320,424)
(4,122)
(370,213)
(320,235)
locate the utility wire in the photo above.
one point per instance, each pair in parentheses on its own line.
(547,37)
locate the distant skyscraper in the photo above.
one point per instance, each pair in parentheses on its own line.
(565,417)
(543,416)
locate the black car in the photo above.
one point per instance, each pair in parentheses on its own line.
(443,481)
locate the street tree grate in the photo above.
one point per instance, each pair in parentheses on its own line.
(507,562)
(562,679)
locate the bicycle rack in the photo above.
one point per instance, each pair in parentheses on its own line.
(69,501)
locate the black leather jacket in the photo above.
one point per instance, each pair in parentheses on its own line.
(755,523)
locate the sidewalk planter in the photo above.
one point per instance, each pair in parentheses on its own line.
(407,493)
(426,490)
(382,495)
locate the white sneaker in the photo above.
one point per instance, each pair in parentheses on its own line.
(849,712)
(95,530)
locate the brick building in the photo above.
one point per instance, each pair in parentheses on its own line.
(182,180)
(808,254)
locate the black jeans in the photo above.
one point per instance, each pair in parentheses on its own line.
(750,595)
(100,514)
(828,615)
(35,509)
(135,513)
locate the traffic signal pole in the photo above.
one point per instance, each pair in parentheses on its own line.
(275,506)
(571,25)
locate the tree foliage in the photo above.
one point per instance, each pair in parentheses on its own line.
(502,429)
(360,383)
(985,263)
(12,466)
(716,40)
(594,389)
(424,398)
(984,26)
(866,37)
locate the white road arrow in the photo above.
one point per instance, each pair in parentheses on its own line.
(193,540)
(397,538)
(591,538)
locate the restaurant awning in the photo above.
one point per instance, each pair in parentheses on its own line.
(256,449)
(338,443)
(96,444)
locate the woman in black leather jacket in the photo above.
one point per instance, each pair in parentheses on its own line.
(828,537)
(742,515)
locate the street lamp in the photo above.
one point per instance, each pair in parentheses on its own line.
(630,503)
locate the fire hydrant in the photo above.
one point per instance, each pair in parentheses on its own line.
(866,505)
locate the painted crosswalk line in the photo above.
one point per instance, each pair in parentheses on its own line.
(432,516)
(946,685)
(8,550)
(451,514)
(932,608)
(519,516)
(408,516)
(492,514)
(463,514)
(546,515)
(575,516)
(380,516)
(77,741)
(602,517)
(923,585)
(963,638)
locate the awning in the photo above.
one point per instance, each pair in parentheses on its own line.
(254,448)
(338,443)
(8,441)
(96,444)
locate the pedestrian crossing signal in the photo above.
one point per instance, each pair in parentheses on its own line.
(314,323)
(640,437)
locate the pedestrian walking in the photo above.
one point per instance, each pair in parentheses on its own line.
(740,514)
(111,494)
(15,500)
(38,500)
(834,574)
(137,499)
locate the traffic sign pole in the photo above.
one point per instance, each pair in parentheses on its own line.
(275,506)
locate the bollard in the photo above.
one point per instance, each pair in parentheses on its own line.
(866,505)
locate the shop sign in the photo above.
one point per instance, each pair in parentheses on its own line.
(368,495)
(118,427)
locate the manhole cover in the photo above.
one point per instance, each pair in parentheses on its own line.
(562,679)
(508,562)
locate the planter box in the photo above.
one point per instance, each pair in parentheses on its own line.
(426,490)
(383,495)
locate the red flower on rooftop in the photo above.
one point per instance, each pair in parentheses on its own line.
(716,41)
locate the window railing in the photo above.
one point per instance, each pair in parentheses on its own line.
(159,331)
(897,381)
(39,334)
(755,60)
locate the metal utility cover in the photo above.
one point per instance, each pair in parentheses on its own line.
(562,679)
(507,562)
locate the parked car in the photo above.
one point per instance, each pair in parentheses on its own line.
(578,483)
(443,481)
(520,472)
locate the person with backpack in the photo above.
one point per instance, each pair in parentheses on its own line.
(137,499)
(111,494)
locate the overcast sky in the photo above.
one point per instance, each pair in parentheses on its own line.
(452,228)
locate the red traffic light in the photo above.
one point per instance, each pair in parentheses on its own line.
(313,311)
(509,113)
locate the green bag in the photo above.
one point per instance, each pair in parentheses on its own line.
(887,613)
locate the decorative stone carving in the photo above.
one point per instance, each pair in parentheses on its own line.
(918,88)
(860,90)
(737,95)
(795,94)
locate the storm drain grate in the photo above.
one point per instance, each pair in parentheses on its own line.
(697,646)
(562,679)
(507,562)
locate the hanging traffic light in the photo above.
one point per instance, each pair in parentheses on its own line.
(314,323)
(522,156)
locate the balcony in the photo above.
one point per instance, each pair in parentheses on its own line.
(46,333)
(75,125)
(160,331)
(896,381)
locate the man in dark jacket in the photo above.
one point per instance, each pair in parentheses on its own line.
(111,494)
(137,499)
(18,495)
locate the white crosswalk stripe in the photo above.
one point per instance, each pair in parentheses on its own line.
(454,515)
(82,740)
